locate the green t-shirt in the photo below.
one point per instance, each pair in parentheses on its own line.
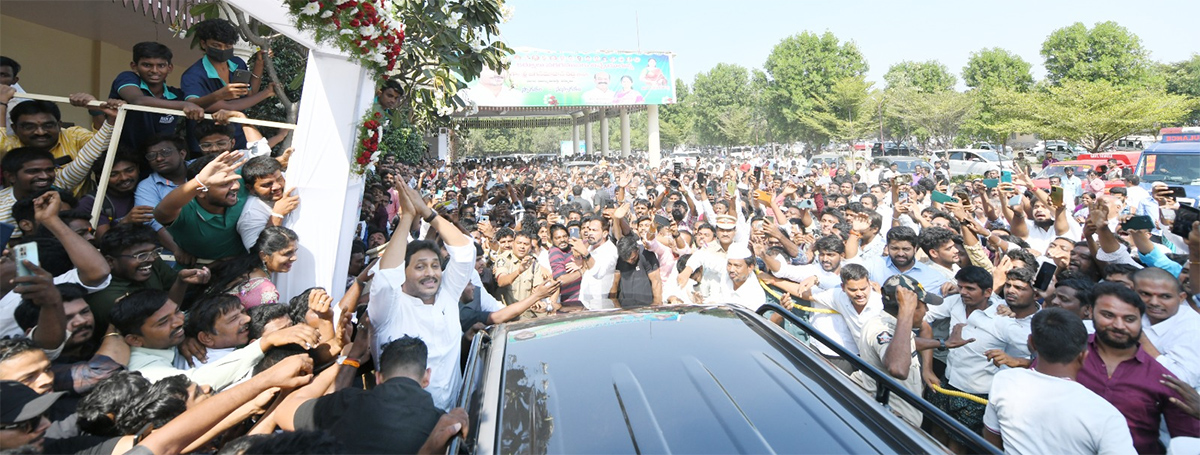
(162,276)
(210,236)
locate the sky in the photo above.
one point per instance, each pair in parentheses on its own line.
(703,33)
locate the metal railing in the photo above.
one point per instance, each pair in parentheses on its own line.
(885,385)
(118,126)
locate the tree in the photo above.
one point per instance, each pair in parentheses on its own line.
(800,70)
(676,121)
(996,67)
(992,73)
(844,114)
(927,77)
(935,116)
(1183,78)
(1107,52)
(1096,113)
(722,105)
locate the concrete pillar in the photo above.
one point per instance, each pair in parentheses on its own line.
(587,134)
(652,130)
(624,132)
(574,137)
(604,132)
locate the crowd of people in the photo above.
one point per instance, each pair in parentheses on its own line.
(1044,323)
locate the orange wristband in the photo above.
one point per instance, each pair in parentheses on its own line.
(352,363)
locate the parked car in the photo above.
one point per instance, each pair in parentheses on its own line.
(973,161)
(1062,150)
(828,159)
(893,149)
(682,379)
(1041,179)
(904,164)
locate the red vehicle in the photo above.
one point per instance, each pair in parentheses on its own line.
(1081,168)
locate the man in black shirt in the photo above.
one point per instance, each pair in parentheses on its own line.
(638,283)
(394,417)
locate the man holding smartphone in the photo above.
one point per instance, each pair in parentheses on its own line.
(209,82)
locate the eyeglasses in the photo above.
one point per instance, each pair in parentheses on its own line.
(151,155)
(24,426)
(29,127)
(143,257)
(221,144)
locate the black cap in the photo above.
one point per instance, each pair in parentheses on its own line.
(19,403)
(904,281)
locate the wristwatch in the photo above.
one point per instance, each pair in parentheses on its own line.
(941,345)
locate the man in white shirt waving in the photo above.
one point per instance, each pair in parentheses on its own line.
(412,295)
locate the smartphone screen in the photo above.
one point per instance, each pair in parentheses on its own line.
(1044,275)
(574,231)
(1138,222)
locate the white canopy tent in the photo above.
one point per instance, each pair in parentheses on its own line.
(337,92)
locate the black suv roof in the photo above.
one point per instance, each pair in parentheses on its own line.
(681,379)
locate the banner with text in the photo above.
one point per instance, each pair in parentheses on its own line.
(544,78)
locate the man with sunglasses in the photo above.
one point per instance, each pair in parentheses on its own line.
(134,259)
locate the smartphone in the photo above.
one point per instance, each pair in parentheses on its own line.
(807,204)
(942,198)
(758,173)
(991,183)
(483,218)
(574,231)
(763,196)
(25,252)
(1138,222)
(240,77)
(1184,217)
(1014,201)
(701,178)
(1056,195)
(1045,273)
(678,169)
(1006,176)
(904,196)
(1177,192)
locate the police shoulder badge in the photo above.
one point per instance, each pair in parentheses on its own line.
(884,337)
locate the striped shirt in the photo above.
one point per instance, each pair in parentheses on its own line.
(569,292)
(69,176)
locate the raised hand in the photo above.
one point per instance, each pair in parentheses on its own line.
(299,334)
(194,276)
(221,171)
(46,207)
(287,203)
(139,214)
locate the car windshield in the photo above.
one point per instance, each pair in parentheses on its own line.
(1178,169)
(909,166)
(1060,170)
(990,156)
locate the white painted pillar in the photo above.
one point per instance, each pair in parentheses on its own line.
(574,138)
(652,129)
(624,133)
(604,132)
(587,137)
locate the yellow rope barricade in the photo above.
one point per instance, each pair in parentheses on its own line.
(955,393)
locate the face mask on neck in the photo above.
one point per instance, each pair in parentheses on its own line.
(218,55)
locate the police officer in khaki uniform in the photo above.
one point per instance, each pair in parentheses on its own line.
(518,272)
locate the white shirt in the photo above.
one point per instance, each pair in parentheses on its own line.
(712,263)
(846,327)
(158,364)
(749,295)
(10,302)
(598,280)
(253,220)
(874,248)
(1037,413)
(1178,339)
(967,367)
(395,314)
(797,273)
